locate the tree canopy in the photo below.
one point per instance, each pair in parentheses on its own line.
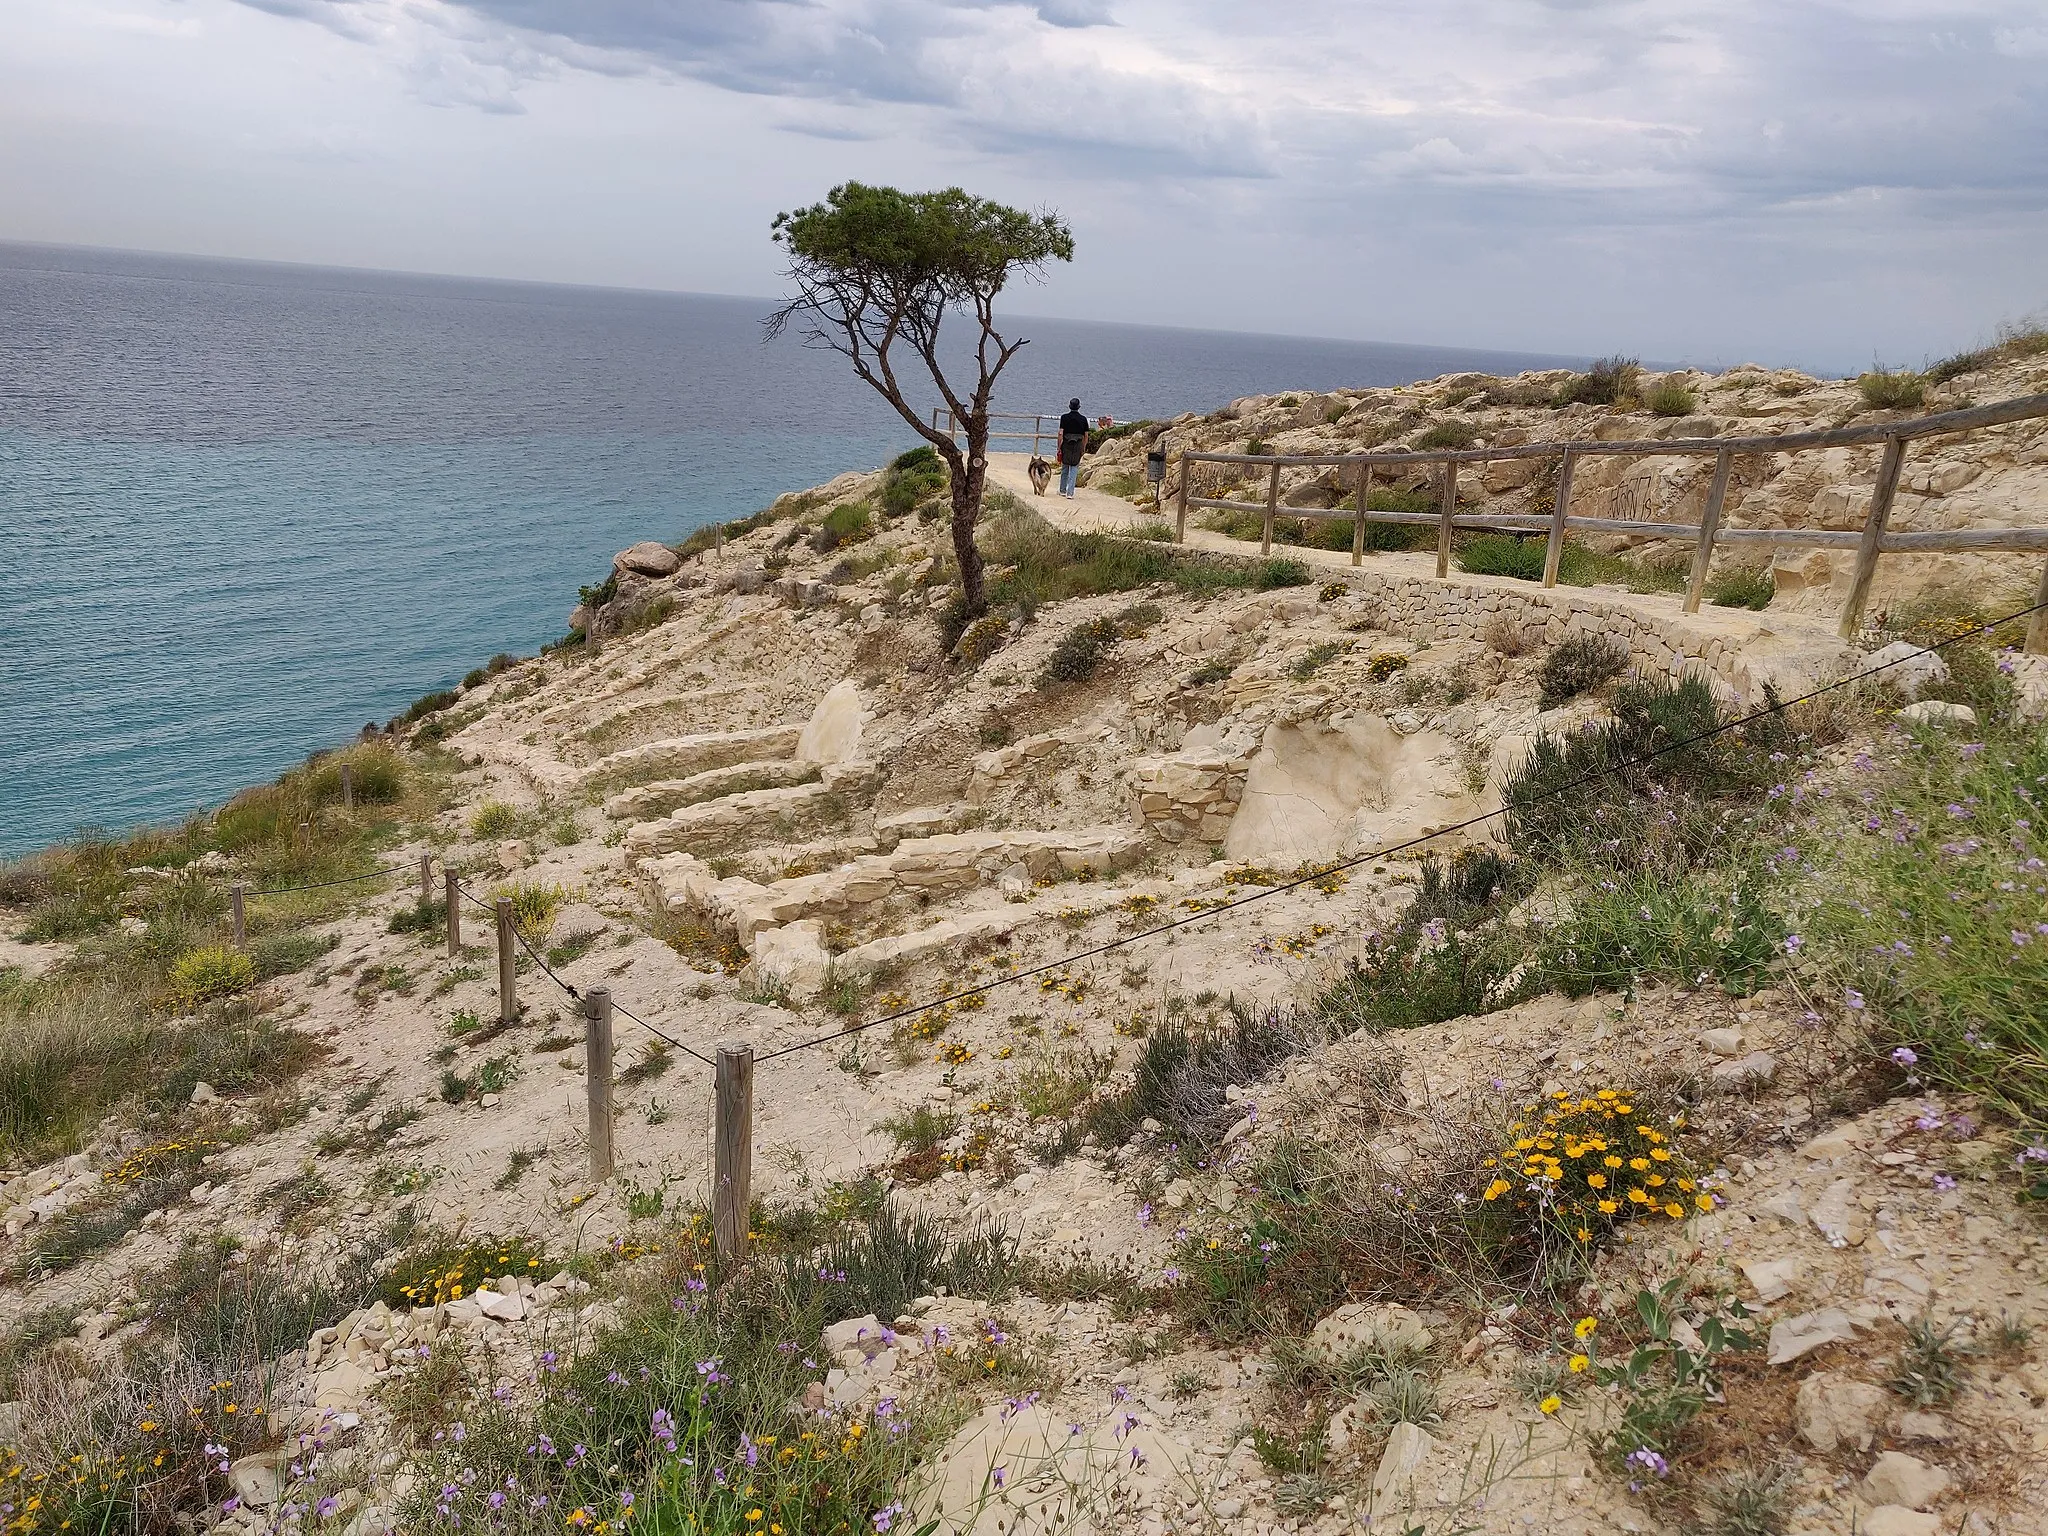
(877,270)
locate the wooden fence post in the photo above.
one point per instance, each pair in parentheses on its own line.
(241,923)
(426,878)
(454,913)
(2037,630)
(1272,505)
(1358,519)
(1553,552)
(597,1071)
(1710,525)
(733,1152)
(1865,571)
(348,788)
(1443,527)
(1180,516)
(508,996)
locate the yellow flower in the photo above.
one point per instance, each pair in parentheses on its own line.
(1584,1327)
(753,1514)
(1704,1202)
(1674,1210)
(1609,1207)
(1611,1160)
(1579,1363)
(1498,1188)
(1640,1164)
(1596,1181)
(1551,1403)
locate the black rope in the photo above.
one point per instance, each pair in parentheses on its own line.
(569,988)
(1325,871)
(292,890)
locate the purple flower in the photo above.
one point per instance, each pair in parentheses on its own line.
(1852,997)
(327,1506)
(1792,943)
(1643,1459)
(998,1476)
(1944,1182)
(1905,1056)
(886,1517)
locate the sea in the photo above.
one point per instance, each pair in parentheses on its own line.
(247,508)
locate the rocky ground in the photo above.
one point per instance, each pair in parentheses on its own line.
(775,807)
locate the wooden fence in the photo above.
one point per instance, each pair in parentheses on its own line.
(1874,539)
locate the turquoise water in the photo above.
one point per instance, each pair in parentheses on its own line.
(245,509)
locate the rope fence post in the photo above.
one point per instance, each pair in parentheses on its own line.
(1272,506)
(2037,631)
(597,1068)
(348,788)
(1710,525)
(235,899)
(454,913)
(1553,552)
(1443,525)
(1358,517)
(733,1151)
(1865,572)
(1180,515)
(508,994)
(426,878)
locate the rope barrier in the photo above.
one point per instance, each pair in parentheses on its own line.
(293,890)
(549,971)
(1325,871)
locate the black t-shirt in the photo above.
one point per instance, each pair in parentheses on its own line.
(1073,436)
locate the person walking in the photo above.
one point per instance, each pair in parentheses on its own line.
(1073,440)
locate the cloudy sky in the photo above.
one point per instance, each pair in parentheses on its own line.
(1790,180)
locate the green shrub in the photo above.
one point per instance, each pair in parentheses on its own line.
(535,907)
(1650,926)
(1608,382)
(849,523)
(430,704)
(1270,575)
(1122,482)
(1183,1075)
(1961,363)
(376,774)
(418,916)
(439,1268)
(1502,554)
(1742,587)
(1668,397)
(1079,653)
(1580,663)
(1891,390)
(280,954)
(708,537)
(1447,434)
(494,818)
(1424,974)
(213,971)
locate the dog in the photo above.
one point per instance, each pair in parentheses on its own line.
(1041,475)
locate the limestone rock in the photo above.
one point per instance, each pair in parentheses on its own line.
(793,957)
(1838,1217)
(1897,1520)
(1725,1043)
(1751,1071)
(648,558)
(1916,1425)
(833,734)
(1773,1278)
(495,1304)
(202,1093)
(1907,667)
(513,856)
(1382,1328)
(1939,712)
(1833,1411)
(1406,1448)
(257,1480)
(1896,1478)
(748,580)
(1796,1336)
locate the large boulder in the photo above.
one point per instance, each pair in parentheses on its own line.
(1833,1411)
(1907,667)
(1368,1327)
(833,734)
(647,559)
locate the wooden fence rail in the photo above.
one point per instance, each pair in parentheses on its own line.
(1871,541)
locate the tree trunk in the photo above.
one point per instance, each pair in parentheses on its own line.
(967,488)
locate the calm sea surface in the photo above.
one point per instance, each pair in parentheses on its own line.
(246,508)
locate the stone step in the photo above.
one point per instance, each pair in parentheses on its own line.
(648,801)
(679,757)
(751,816)
(927,866)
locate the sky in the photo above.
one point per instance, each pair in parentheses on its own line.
(1790,181)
